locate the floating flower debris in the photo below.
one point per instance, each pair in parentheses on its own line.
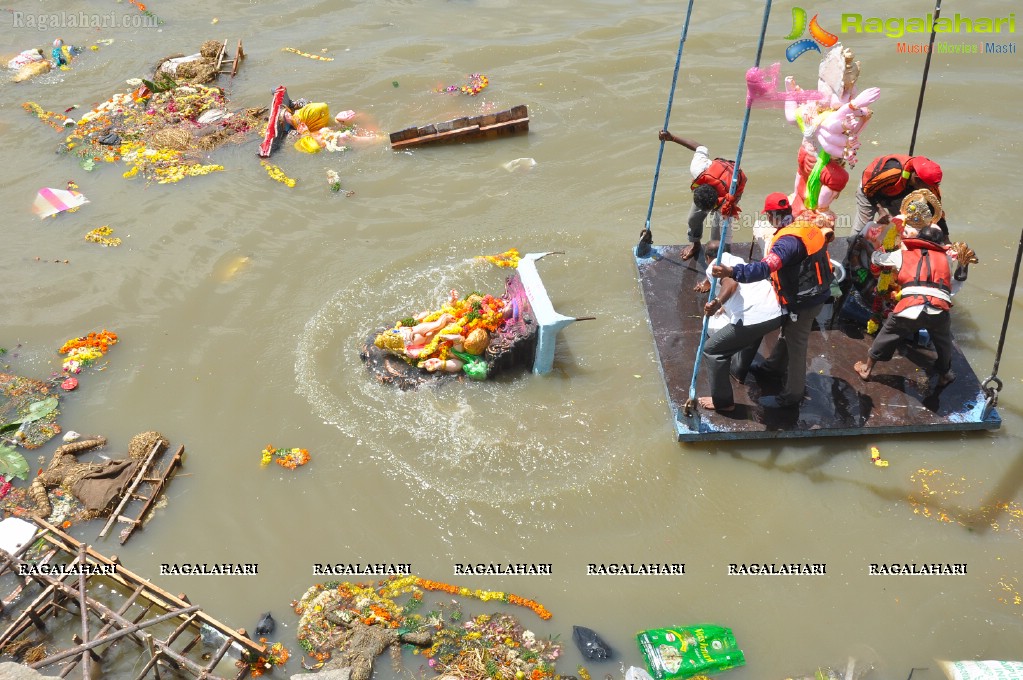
(163,135)
(85,350)
(875,457)
(939,498)
(277,175)
(145,10)
(481,647)
(477,83)
(306,54)
(287,458)
(103,236)
(276,655)
(509,258)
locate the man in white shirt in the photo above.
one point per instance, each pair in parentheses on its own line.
(751,311)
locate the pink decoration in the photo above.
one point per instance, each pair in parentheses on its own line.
(762,89)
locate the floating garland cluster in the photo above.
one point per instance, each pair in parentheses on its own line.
(509,258)
(277,174)
(477,83)
(485,647)
(276,655)
(400,585)
(287,458)
(102,236)
(155,134)
(86,349)
(145,10)
(55,120)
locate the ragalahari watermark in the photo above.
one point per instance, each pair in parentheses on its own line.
(61,20)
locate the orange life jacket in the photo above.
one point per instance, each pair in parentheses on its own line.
(925,277)
(798,286)
(719,176)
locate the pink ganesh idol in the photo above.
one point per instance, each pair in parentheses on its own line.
(831,127)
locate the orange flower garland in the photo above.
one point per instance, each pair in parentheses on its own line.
(404,584)
(286,458)
(509,258)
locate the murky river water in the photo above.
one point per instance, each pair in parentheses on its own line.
(224,354)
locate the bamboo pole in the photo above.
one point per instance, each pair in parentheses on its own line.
(84,607)
(102,631)
(75,651)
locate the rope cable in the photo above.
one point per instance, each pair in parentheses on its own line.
(726,222)
(993,385)
(648,234)
(923,84)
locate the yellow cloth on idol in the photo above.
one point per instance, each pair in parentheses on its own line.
(314,116)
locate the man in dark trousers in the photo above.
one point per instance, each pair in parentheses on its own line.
(799,267)
(712,178)
(926,284)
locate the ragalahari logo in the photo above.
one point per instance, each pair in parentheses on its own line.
(818,36)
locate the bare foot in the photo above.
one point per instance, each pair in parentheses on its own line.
(689,252)
(862,370)
(708,403)
(946,379)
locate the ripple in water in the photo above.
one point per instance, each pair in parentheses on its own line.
(513,440)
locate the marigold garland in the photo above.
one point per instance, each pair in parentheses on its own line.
(287,458)
(102,236)
(306,54)
(400,585)
(278,175)
(509,258)
(55,120)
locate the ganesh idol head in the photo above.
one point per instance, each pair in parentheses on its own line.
(837,76)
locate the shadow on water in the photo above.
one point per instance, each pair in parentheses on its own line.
(983,517)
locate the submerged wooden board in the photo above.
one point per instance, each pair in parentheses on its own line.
(902,396)
(511,121)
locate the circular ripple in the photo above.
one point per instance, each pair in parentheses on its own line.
(514,439)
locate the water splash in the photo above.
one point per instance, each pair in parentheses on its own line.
(512,443)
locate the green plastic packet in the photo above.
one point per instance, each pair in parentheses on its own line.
(474,367)
(683,652)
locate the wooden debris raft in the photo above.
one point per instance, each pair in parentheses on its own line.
(145,487)
(143,606)
(223,61)
(488,126)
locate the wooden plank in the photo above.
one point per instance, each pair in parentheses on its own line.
(142,470)
(238,56)
(221,55)
(175,461)
(484,126)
